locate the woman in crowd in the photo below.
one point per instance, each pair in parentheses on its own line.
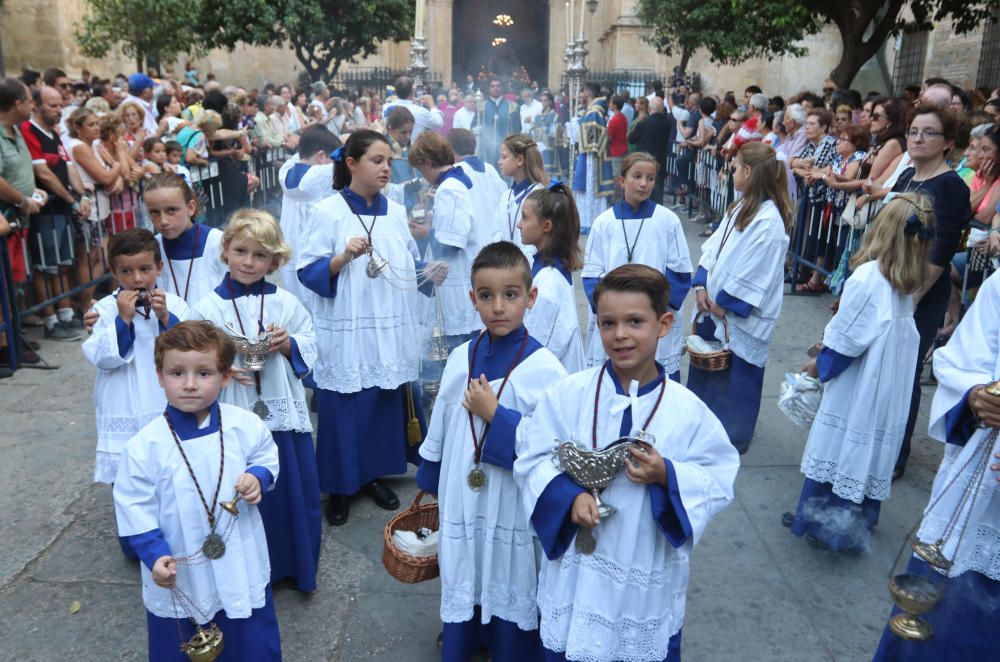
(169,114)
(819,153)
(132,117)
(125,202)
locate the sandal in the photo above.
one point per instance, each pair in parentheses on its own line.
(811,288)
(788,519)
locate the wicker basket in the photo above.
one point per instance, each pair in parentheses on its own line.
(711,361)
(411,569)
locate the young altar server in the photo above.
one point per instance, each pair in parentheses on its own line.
(454,235)
(740,281)
(364,327)
(305,180)
(126,393)
(191,250)
(521,162)
(245,303)
(550,224)
(488,578)
(198,562)
(637,230)
(965,417)
(625,600)
(855,438)
(487,186)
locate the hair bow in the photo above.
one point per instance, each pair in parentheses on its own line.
(557,185)
(337,154)
(914,226)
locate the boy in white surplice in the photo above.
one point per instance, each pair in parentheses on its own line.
(623,596)
(487,556)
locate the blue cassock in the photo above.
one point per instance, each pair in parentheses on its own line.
(500,119)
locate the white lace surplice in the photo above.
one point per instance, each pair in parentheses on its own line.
(127,394)
(751,268)
(855,439)
(661,245)
(626,600)
(553,320)
(971,357)
(153,489)
(365,334)
(486,549)
(454,227)
(281,390)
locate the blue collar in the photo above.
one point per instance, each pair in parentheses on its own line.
(295,174)
(186,425)
(241,290)
(358,204)
(541,261)
(521,186)
(184,246)
(476,163)
(625,211)
(643,388)
(454,172)
(495,355)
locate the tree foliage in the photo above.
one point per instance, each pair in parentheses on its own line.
(323,34)
(140,28)
(734,31)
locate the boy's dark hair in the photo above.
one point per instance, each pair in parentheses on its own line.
(173,146)
(637,278)
(431,149)
(317,138)
(133,242)
(149,143)
(502,255)
(398,117)
(462,141)
(196,336)
(556,204)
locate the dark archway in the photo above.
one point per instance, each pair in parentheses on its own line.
(527,43)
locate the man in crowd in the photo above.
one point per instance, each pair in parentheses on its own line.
(425,114)
(686,130)
(50,236)
(500,119)
(448,110)
(466,116)
(593,183)
(531,109)
(654,134)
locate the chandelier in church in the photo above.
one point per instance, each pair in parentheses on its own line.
(498,41)
(503,20)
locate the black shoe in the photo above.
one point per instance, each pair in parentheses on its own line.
(816,543)
(312,402)
(337,509)
(382,495)
(788,519)
(897,474)
(5,373)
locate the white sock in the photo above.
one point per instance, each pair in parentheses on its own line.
(65,314)
(50,321)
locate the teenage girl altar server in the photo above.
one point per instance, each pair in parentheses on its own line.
(741,279)
(454,235)
(550,224)
(626,599)
(521,162)
(855,438)
(305,180)
(364,328)
(245,303)
(636,230)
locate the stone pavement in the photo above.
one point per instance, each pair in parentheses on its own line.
(756,591)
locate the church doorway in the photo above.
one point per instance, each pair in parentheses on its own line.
(482,39)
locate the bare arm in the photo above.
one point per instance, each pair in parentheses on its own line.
(85,157)
(48,180)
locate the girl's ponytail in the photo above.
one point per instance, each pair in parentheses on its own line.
(355,148)
(521,145)
(556,204)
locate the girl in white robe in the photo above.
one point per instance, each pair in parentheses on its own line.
(550,223)
(487,187)
(520,162)
(962,417)
(740,280)
(637,230)
(244,302)
(867,346)
(364,328)
(625,600)
(454,236)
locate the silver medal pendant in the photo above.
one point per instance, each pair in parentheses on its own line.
(261,410)
(477,479)
(586,543)
(214,546)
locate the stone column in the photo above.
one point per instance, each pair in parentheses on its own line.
(439,38)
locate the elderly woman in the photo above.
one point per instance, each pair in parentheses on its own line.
(264,130)
(820,151)
(132,117)
(280,121)
(793,119)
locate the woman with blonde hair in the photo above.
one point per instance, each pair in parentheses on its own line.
(866,364)
(739,286)
(522,163)
(124,204)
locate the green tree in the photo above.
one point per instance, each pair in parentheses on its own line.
(737,30)
(141,28)
(732,31)
(323,34)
